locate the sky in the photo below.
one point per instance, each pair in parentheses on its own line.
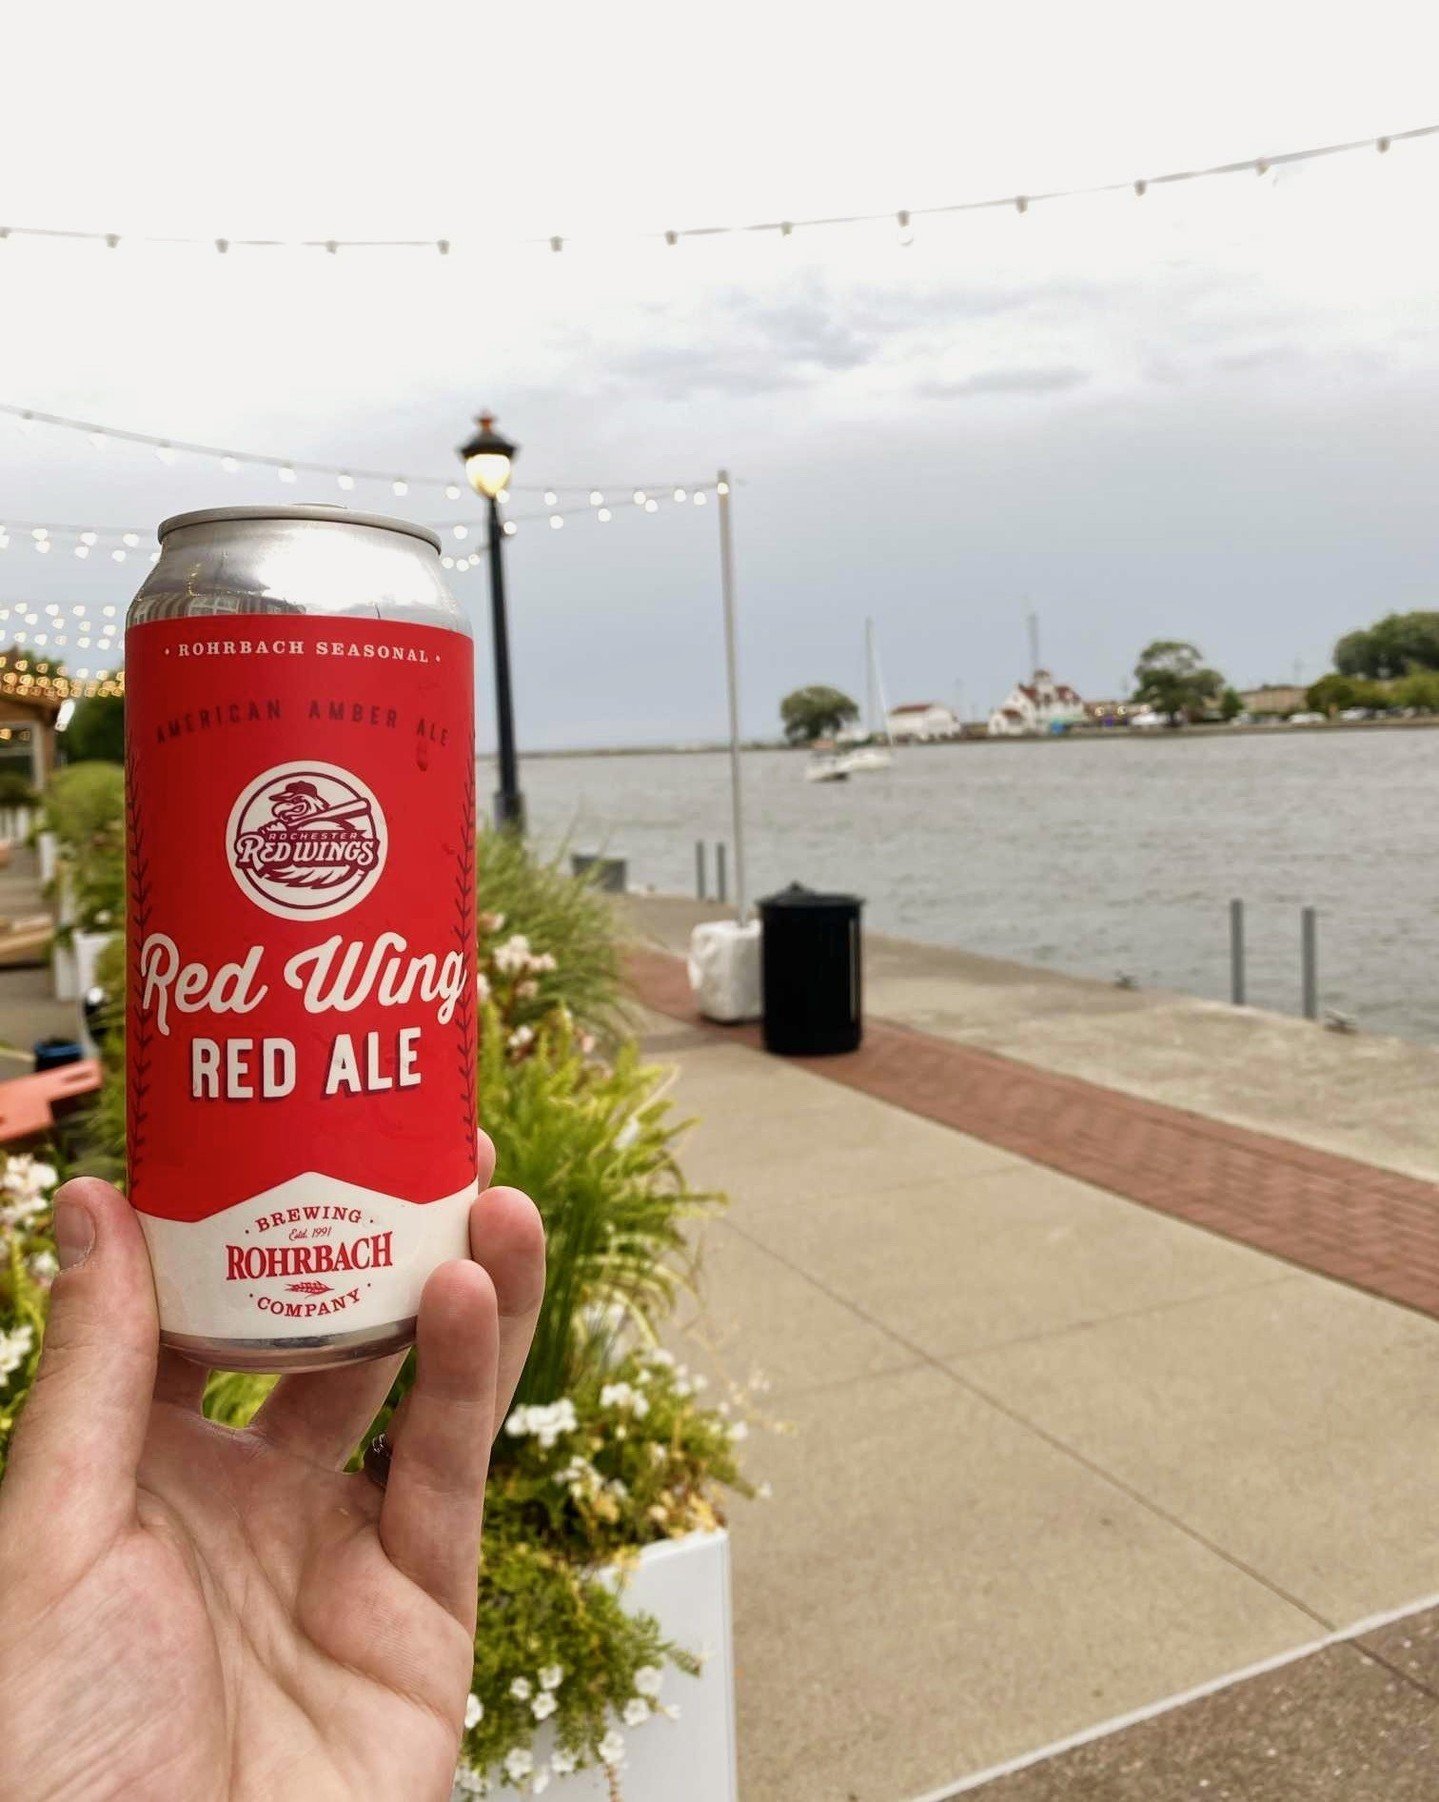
(1208,413)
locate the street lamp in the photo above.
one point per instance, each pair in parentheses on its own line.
(487,457)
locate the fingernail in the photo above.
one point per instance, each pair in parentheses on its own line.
(74,1231)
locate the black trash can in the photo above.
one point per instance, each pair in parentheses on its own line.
(811,961)
(55,1053)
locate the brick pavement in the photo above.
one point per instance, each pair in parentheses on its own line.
(1375,1229)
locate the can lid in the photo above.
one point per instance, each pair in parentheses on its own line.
(342,516)
(797,895)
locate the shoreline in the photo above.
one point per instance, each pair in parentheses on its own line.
(1075,735)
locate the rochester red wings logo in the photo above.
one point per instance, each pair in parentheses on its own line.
(306,841)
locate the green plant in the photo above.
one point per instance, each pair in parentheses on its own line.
(1170,678)
(566,918)
(84,808)
(97,732)
(15,790)
(593,1142)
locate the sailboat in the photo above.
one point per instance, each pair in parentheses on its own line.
(873,756)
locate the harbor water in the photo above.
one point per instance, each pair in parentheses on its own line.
(1103,858)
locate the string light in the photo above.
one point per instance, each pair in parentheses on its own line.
(604,516)
(670,236)
(288,469)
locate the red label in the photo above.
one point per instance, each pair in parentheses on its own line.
(301,993)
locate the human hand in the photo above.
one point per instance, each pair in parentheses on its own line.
(190,1613)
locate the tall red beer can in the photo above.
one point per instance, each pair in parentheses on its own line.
(301,996)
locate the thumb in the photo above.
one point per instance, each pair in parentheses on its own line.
(78,1443)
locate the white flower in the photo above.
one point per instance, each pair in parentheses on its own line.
(562,1763)
(622,1395)
(474,1712)
(482,985)
(612,1747)
(519,1763)
(543,1706)
(739,1430)
(14,1349)
(665,1360)
(637,1712)
(522,1038)
(43,1267)
(545,1423)
(552,1676)
(24,1176)
(765,1492)
(521,1689)
(648,1679)
(513,957)
(541,1781)
(526,990)
(543,963)
(470,1783)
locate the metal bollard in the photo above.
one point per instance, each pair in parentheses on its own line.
(1236,953)
(720,883)
(1309,961)
(700,883)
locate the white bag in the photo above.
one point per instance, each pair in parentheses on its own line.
(724,966)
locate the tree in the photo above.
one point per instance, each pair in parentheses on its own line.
(97,732)
(815,712)
(1393,646)
(1171,678)
(1332,693)
(1231,704)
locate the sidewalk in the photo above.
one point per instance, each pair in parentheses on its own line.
(1056,1458)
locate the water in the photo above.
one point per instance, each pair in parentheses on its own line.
(1091,857)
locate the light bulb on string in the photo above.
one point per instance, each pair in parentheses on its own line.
(652,506)
(42,544)
(460,531)
(117,556)
(88,537)
(130,540)
(509,528)
(639,497)
(346,482)
(447,563)
(721,487)
(604,516)
(699,497)
(400,486)
(679,494)
(596,498)
(82,550)
(550,497)
(38,533)
(452,493)
(556,521)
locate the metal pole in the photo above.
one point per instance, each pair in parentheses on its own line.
(1309,961)
(720,871)
(701,884)
(509,802)
(1236,953)
(722,491)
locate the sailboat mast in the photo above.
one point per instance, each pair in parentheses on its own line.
(871,680)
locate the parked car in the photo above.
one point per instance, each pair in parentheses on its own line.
(1307,719)
(1357,713)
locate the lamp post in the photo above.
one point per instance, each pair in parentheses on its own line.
(487,457)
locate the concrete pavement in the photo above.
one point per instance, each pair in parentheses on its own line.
(1054,1459)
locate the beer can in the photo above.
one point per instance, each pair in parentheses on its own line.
(301,994)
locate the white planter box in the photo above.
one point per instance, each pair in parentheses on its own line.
(88,946)
(685,1584)
(49,850)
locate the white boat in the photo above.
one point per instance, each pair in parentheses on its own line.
(826,766)
(866,757)
(876,755)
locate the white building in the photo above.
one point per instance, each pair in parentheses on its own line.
(1033,708)
(923,722)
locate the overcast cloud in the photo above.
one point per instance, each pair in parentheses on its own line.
(1208,413)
